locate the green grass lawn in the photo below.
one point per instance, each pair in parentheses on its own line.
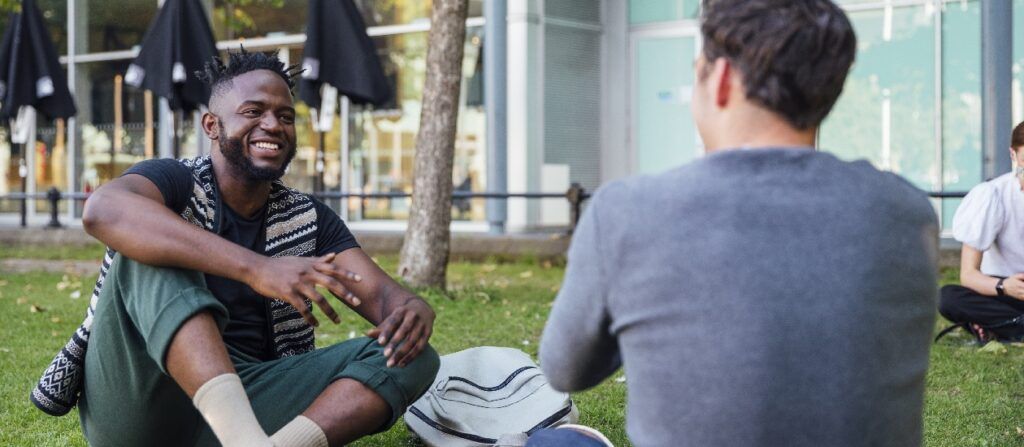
(974,398)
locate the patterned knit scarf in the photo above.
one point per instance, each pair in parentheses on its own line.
(290,231)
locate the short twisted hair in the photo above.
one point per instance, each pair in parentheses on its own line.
(219,75)
(794,55)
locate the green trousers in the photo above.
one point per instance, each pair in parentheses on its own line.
(130,400)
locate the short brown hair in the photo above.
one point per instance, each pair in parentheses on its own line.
(1017,138)
(794,55)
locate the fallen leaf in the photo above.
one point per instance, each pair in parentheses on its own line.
(1020,432)
(993,347)
(526,274)
(55,320)
(36,309)
(22,300)
(546,264)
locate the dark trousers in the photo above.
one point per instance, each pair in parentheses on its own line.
(1002,316)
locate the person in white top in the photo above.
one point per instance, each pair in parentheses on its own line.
(990,225)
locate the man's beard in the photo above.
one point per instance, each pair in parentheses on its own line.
(234,152)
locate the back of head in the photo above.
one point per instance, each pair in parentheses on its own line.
(794,55)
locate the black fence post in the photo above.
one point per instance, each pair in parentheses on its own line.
(53,195)
(575,195)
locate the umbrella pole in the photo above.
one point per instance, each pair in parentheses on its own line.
(23,173)
(320,163)
(175,120)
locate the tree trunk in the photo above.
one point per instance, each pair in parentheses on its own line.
(424,257)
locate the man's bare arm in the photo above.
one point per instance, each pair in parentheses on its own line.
(972,277)
(129,215)
(403,320)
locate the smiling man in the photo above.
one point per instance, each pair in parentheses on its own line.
(209,317)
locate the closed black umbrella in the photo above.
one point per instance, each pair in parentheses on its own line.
(338,52)
(32,75)
(178,43)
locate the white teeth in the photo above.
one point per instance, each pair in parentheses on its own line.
(265,145)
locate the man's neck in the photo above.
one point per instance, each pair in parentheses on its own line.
(768,132)
(244,197)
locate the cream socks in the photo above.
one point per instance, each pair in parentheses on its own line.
(300,432)
(223,403)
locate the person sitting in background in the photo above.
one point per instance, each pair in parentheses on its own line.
(767,294)
(989,302)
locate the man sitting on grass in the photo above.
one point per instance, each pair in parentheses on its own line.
(767,294)
(203,329)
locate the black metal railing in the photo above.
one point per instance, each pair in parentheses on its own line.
(575,195)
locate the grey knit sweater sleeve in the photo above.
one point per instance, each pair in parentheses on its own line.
(578,350)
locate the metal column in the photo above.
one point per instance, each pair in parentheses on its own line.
(495,89)
(996,79)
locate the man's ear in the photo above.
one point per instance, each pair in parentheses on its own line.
(721,76)
(210,125)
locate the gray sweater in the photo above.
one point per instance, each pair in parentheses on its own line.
(770,297)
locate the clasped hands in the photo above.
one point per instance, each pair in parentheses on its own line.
(404,330)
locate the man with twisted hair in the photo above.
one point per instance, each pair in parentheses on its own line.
(203,329)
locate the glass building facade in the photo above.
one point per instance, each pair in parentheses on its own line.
(911,105)
(596,90)
(118,125)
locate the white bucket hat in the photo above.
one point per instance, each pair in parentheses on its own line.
(486,396)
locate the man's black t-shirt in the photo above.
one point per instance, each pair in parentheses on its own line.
(248,328)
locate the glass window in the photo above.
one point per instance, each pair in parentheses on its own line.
(55,15)
(234,19)
(112,26)
(118,124)
(383,140)
(961,101)
(648,11)
(50,158)
(397,12)
(1018,61)
(887,111)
